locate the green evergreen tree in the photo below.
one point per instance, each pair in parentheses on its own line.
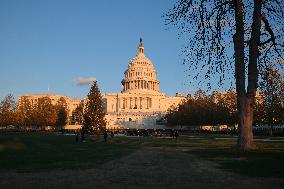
(94,115)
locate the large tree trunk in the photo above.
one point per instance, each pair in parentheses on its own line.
(245,99)
(245,119)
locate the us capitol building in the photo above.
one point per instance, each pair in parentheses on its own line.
(140,103)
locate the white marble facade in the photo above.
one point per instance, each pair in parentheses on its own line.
(140,102)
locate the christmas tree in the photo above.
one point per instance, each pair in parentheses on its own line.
(94,115)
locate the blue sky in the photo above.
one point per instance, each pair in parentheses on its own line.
(51,43)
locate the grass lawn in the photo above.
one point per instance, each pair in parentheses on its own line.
(266,161)
(46,151)
(51,151)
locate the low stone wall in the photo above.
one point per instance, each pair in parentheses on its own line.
(73,127)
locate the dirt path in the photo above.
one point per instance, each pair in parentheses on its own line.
(146,168)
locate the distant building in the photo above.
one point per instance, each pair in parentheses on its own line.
(140,103)
(213,127)
(72,103)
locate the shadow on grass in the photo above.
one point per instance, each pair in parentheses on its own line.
(50,151)
(266,161)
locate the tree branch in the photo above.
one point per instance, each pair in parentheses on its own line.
(268,29)
(229,2)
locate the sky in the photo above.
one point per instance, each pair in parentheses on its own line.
(48,46)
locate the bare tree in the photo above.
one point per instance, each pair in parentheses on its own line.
(272,90)
(227,36)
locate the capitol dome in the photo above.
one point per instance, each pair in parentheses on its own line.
(140,75)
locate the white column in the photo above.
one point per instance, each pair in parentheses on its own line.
(123,103)
(140,103)
(135,103)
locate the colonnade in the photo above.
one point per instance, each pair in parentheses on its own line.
(141,84)
(134,103)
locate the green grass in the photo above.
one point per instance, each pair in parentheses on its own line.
(265,161)
(51,151)
(46,151)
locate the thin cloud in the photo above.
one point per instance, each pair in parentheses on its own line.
(84,81)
